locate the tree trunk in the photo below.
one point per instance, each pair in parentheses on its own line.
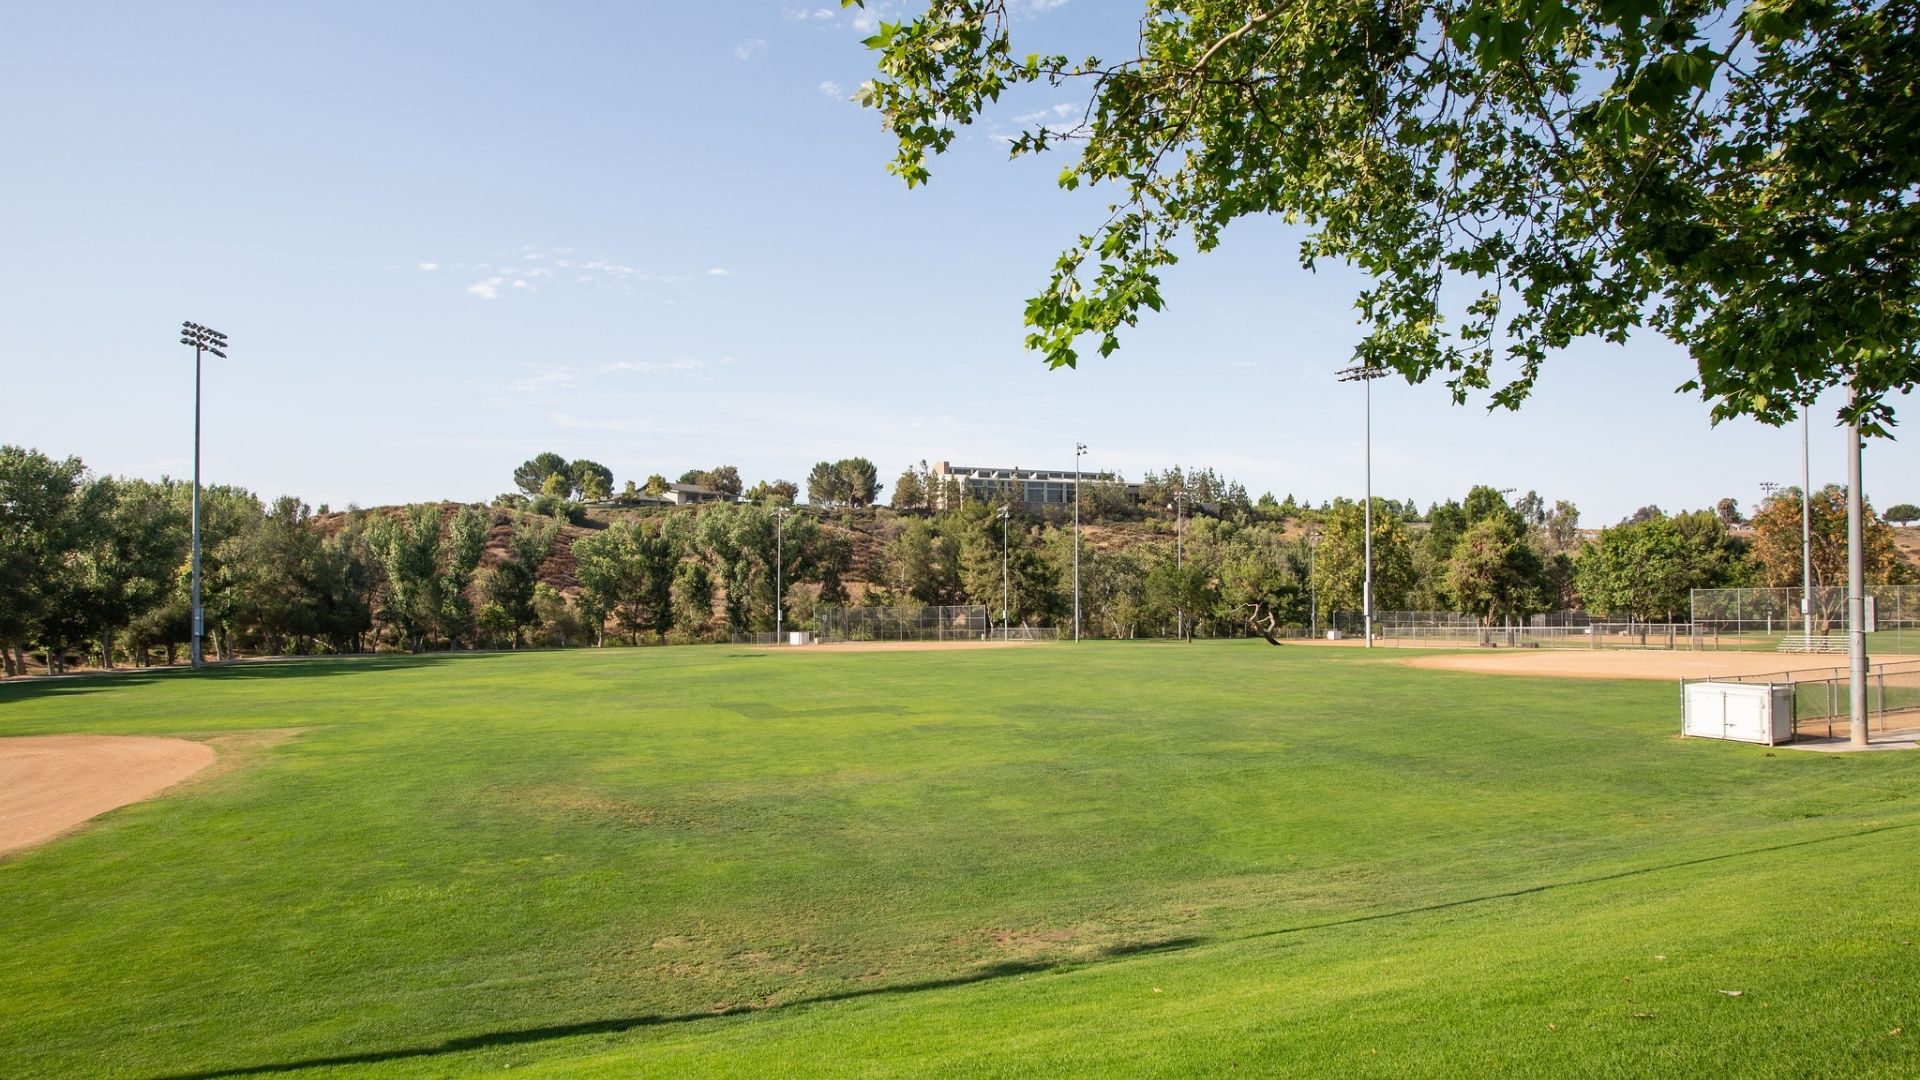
(106,650)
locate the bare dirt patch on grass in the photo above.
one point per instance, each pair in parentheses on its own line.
(1628,663)
(911,646)
(52,783)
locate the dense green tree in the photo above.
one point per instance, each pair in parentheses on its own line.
(907,492)
(409,552)
(859,480)
(1776,549)
(1510,178)
(925,565)
(1903,513)
(628,568)
(1638,569)
(1494,572)
(510,584)
(36,525)
(589,481)
(777,491)
(823,485)
(531,477)
(692,598)
(1340,563)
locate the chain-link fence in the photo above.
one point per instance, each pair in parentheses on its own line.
(1551,630)
(1822,702)
(956,622)
(1770,620)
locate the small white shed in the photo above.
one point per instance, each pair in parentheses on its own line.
(1744,712)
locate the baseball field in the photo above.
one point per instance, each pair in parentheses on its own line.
(1136,859)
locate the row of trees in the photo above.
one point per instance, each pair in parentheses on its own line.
(100,567)
(1481,555)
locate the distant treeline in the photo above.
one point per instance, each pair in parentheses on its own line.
(95,568)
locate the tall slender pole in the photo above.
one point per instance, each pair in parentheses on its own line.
(1856,590)
(1078,450)
(1006,631)
(1806,532)
(1179,555)
(198,615)
(1313,585)
(1366,373)
(779,574)
(201,339)
(1367,587)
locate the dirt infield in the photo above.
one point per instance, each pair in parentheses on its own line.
(1629,663)
(910,646)
(50,783)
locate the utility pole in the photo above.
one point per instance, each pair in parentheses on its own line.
(1365,374)
(1079,451)
(1856,590)
(203,340)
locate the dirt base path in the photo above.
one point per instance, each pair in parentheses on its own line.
(1631,663)
(50,783)
(909,646)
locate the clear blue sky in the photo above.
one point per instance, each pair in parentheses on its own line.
(445,237)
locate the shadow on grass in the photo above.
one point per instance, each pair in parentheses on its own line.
(1551,886)
(616,1025)
(278,667)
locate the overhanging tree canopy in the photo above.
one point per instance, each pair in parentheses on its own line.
(1743,177)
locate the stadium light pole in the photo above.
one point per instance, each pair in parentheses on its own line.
(203,340)
(1179,507)
(1006,512)
(1806,531)
(779,572)
(1079,451)
(1856,591)
(1313,585)
(1365,374)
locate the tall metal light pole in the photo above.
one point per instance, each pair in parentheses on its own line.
(1079,451)
(1806,532)
(1006,512)
(1313,585)
(780,573)
(1179,508)
(1365,374)
(1856,591)
(203,340)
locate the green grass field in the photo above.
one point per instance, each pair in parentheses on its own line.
(1118,859)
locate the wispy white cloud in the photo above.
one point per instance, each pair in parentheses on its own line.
(531,271)
(678,366)
(831,89)
(544,378)
(746,50)
(429,266)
